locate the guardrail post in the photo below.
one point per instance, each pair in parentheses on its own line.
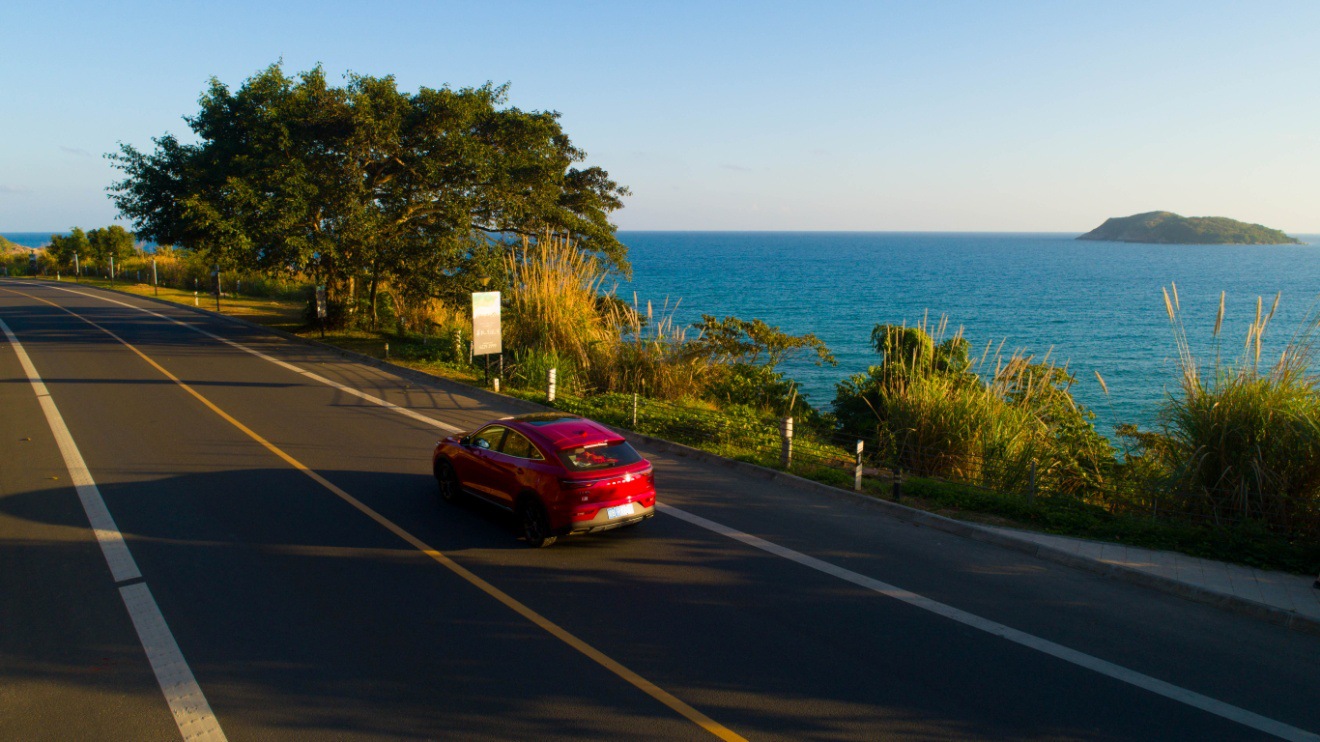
(195,304)
(387,351)
(1031,484)
(496,382)
(550,385)
(898,483)
(786,442)
(857,473)
(634,419)
(155,283)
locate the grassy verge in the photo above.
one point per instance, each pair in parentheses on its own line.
(746,437)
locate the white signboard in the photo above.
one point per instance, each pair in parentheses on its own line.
(486,338)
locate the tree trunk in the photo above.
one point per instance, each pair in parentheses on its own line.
(375,279)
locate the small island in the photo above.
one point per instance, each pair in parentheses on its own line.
(1167,228)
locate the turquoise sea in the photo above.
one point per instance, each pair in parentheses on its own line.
(29,239)
(1095,306)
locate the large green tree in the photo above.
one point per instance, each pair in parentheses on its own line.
(63,248)
(363,183)
(110,242)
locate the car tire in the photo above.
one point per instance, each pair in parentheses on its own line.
(534,523)
(448,488)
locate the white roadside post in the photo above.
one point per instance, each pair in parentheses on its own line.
(786,445)
(550,385)
(857,472)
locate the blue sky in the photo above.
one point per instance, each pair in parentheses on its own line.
(1003,116)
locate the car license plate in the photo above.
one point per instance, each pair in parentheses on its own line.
(619,512)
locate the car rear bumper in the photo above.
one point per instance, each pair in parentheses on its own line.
(602,523)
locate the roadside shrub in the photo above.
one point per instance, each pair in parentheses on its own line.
(935,414)
(1242,441)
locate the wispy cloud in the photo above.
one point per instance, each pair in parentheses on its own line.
(14,190)
(75,151)
(736,168)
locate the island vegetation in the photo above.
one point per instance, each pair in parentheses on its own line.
(403,204)
(1167,228)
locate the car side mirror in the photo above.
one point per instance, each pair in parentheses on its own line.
(483,443)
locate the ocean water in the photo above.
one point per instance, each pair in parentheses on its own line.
(1094,306)
(30,239)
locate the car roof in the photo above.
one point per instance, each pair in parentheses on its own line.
(560,430)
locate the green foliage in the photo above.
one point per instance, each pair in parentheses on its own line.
(363,185)
(63,248)
(936,416)
(753,342)
(759,387)
(743,355)
(113,242)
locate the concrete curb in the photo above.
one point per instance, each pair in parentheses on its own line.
(1233,603)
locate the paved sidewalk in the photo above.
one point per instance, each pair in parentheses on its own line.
(1278,590)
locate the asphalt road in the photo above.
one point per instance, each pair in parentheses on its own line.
(316,589)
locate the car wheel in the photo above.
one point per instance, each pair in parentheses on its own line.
(447,481)
(535,524)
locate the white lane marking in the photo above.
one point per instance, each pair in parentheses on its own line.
(1081,659)
(191,712)
(1072,656)
(288,366)
(122,566)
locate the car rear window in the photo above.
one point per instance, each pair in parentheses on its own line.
(599,456)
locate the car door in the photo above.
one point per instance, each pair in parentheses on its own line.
(515,456)
(479,466)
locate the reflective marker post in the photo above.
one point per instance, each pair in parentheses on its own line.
(857,473)
(320,307)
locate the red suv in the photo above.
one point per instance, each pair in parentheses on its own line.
(560,474)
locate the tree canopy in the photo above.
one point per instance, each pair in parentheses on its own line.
(364,181)
(110,242)
(64,247)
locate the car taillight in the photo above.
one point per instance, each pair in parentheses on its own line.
(576,484)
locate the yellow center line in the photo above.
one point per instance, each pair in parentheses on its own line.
(604,660)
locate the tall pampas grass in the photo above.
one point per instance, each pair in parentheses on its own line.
(1244,439)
